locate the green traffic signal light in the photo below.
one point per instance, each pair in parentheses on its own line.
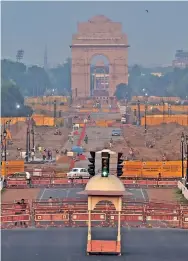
(105,172)
(105,164)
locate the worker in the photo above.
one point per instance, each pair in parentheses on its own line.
(86,139)
(44,155)
(111,142)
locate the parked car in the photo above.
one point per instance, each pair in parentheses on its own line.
(116,133)
(77,173)
(19,175)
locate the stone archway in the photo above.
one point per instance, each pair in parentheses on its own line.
(98,36)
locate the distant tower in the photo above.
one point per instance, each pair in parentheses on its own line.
(45,59)
(19,55)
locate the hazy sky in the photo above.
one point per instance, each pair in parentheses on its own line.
(154,36)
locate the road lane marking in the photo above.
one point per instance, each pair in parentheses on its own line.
(143,194)
(42,194)
(67,193)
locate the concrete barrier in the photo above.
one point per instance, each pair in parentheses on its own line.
(183,189)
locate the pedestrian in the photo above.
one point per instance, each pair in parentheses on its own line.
(50,200)
(18,211)
(44,155)
(32,154)
(23,209)
(111,143)
(86,139)
(50,154)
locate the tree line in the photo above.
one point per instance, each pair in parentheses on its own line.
(36,81)
(173,82)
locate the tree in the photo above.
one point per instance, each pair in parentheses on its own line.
(61,78)
(12,102)
(123,91)
(35,81)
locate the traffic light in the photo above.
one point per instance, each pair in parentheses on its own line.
(119,164)
(91,167)
(105,164)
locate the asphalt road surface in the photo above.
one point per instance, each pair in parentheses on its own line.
(98,137)
(135,194)
(69,244)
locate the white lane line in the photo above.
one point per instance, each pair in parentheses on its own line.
(67,193)
(143,194)
(42,194)
(59,189)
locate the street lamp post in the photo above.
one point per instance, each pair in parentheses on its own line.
(33,137)
(145,116)
(186,139)
(29,141)
(139,118)
(163,109)
(182,154)
(169,109)
(5,144)
(27,145)
(55,109)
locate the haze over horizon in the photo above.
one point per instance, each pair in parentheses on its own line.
(154,36)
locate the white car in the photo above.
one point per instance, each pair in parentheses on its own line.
(78,173)
(19,175)
(123,120)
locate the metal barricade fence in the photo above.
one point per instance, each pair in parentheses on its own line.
(74,213)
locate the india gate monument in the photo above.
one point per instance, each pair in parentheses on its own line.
(98,37)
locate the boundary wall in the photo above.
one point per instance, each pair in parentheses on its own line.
(12,166)
(54,181)
(159,119)
(152,169)
(175,108)
(40,120)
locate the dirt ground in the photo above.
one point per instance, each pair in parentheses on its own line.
(18,194)
(44,136)
(165,139)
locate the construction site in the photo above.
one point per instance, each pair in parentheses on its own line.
(46,137)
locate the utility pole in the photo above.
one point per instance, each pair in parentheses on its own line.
(33,137)
(145,116)
(182,154)
(55,111)
(27,145)
(163,110)
(186,140)
(139,117)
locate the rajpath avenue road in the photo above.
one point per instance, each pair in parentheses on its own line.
(69,244)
